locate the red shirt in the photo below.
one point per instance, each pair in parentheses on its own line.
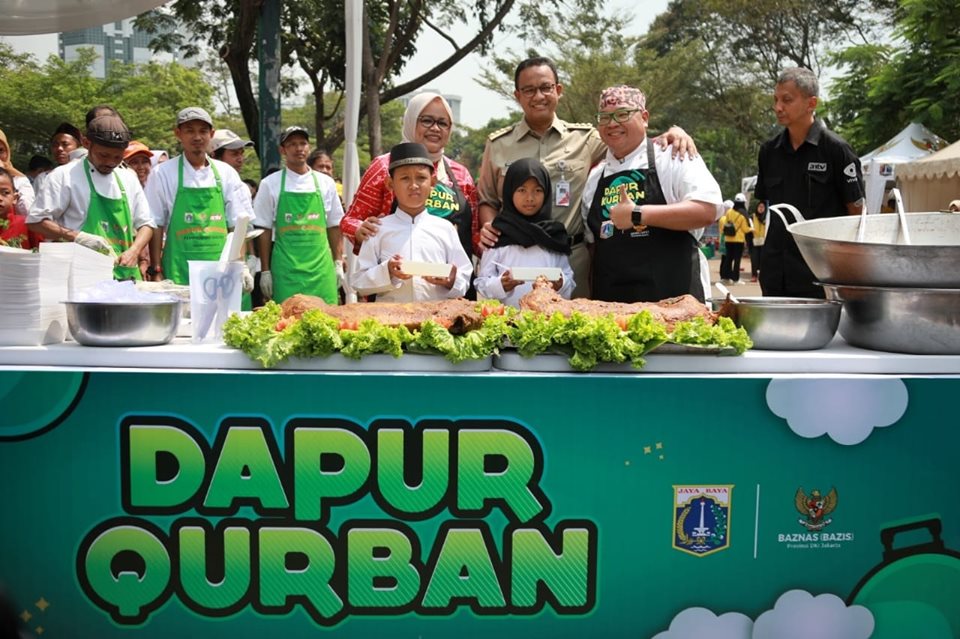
(374,199)
(16,233)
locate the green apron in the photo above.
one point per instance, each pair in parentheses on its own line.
(301,260)
(197,229)
(110,219)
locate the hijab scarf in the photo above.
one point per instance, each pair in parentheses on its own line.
(539,229)
(8,163)
(416,106)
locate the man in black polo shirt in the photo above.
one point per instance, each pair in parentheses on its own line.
(809,167)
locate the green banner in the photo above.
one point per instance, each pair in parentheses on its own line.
(427,505)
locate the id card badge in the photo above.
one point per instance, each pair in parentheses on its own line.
(562,193)
(606,230)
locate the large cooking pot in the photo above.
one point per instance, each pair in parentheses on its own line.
(913,591)
(925,321)
(881,257)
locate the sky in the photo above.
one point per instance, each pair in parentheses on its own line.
(478,104)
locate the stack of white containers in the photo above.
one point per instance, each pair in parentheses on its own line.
(34,285)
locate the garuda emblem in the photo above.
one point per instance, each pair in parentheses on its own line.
(815,507)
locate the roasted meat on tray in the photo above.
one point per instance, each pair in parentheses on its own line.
(457,316)
(543,299)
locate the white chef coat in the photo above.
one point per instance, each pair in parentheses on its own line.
(64,196)
(268,194)
(162,188)
(420,238)
(680,180)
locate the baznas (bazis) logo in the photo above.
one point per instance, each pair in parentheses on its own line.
(701,518)
(815,508)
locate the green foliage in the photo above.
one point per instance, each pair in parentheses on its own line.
(37,98)
(884,89)
(150,95)
(466,144)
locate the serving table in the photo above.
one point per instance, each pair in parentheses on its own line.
(181,490)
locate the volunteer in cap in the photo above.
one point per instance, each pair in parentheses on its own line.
(93,204)
(138,158)
(302,207)
(197,199)
(227,146)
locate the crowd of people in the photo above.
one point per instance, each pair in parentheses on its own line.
(618,214)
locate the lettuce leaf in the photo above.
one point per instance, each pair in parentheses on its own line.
(371,337)
(724,333)
(587,340)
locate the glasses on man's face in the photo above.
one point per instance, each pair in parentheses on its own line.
(427,122)
(546,88)
(620,116)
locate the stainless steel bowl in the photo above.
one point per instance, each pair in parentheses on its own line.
(925,321)
(123,324)
(832,252)
(785,323)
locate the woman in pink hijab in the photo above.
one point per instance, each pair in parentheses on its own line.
(429,121)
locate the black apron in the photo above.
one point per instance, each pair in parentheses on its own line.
(640,266)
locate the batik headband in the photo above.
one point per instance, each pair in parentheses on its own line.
(622,96)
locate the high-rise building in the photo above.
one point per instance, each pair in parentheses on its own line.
(115,41)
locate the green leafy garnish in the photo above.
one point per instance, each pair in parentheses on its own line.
(724,333)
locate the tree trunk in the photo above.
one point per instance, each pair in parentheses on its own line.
(236,55)
(371,83)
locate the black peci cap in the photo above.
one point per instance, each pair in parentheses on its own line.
(409,153)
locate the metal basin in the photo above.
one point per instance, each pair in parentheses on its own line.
(831,251)
(785,323)
(123,324)
(925,321)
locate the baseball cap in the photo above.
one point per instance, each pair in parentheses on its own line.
(227,139)
(739,197)
(193,113)
(109,130)
(293,130)
(136,148)
(409,153)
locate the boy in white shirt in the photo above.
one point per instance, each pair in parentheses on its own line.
(408,234)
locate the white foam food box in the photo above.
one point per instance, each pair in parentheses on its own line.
(530,273)
(426,269)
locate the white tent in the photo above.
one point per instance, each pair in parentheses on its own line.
(929,184)
(880,165)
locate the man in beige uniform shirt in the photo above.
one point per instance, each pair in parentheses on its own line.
(567,150)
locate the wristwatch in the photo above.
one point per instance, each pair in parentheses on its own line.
(636,218)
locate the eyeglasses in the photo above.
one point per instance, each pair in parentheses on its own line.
(427,122)
(620,116)
(545,88)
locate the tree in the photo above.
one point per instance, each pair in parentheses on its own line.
(41,97)
(727,118)
(313,40)
(883,90)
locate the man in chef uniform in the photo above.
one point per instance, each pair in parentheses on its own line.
(644,210)
(302,208)
(195,201)
(92,203)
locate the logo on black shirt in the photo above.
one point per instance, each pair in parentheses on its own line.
(819,167)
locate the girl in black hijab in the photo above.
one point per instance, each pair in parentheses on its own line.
(529,239)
